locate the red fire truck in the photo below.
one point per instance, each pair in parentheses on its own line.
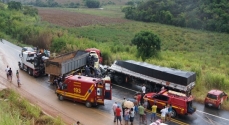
(88,90)
(181,104)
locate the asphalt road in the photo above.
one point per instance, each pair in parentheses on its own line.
(101,115)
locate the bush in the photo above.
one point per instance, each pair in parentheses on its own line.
(30,11)
(58,44)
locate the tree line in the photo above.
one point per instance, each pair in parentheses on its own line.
(209,15)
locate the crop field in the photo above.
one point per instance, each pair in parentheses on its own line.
(72,19)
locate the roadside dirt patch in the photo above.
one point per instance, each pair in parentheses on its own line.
(73,19)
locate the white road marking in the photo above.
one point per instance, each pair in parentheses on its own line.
(213,115)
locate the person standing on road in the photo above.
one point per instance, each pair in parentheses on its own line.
(163,114)
(118,115)
(143,89)
(18,80)
(7,74)
(132,113)
(169,111)
(154,111)
(10,74)
(114,109)
(145,104)
(141,111)
(123,107)
(127,116)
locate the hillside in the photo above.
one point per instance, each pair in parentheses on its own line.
(209,15)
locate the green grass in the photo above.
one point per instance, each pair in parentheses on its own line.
(17,111)
(203,52)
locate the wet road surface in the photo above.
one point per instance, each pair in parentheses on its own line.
(101,115)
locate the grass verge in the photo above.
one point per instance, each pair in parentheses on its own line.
(17,111)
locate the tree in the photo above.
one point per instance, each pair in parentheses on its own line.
(92,4)
(14,5)
(148,44)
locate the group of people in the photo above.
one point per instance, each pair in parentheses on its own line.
(58,82)
(9,75)
(140,108)
(127,113)
(166,113)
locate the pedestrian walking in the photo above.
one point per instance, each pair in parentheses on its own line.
(127,116)
(118,115)
(6,70)
(154,111)
(114,110)
(123,107)
(10,74)
(132,113)
(18,79)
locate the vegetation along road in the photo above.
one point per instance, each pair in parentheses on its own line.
(199,43)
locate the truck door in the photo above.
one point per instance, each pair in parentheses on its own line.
(161,100)
(107,91)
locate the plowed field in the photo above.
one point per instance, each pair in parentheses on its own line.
(72,19)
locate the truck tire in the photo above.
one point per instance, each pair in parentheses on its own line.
(88,104)
(20,66)
(118,79)
(23,67)
(173,113)
(30,71)
(60,97)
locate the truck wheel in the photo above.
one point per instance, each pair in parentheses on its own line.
(30,71)
(88,104)
(119,79)
(60,97)
(23,67)
(20,66)
(219,106)
(173,113)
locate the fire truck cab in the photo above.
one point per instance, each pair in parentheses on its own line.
(83,89)
(181,104)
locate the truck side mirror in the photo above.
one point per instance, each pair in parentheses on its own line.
(20,55)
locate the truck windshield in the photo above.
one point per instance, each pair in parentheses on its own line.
(211,96)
